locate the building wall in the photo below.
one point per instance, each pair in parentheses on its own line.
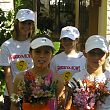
(108,21)
(102,21)
(6,5)
(77,12)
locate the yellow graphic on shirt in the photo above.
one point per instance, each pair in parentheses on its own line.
(67,75)
(22,65)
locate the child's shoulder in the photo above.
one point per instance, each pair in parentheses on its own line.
(58,55)
(107,73)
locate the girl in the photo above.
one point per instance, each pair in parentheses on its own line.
(14,55)
(40,86)
(70,61)
(96,52)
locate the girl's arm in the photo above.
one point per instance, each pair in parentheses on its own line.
(17,88)
(8,79)
(60,91)
(68,99)
(14,106)
(63,93)
(60,84)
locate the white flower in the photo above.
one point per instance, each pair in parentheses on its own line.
(15,98)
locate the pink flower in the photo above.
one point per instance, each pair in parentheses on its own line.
(89,93)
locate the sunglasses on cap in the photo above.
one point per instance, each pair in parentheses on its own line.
(97,52)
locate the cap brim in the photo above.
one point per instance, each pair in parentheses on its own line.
(24,19)
(67,37)
(35,46)
(95,46)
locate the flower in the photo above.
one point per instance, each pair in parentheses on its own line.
(86,94)
(35,90)
(15,98)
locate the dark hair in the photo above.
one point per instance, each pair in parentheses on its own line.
(16,30)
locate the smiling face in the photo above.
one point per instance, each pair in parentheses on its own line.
(41,56)
(96,58)
(25,28)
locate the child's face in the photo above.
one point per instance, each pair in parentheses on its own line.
(42,56)
(68,43)
(96,58)
(25,27)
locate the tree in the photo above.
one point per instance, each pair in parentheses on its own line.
(6,25)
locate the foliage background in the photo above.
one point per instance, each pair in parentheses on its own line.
(6,25)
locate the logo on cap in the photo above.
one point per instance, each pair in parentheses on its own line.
(43,40)
(28,12)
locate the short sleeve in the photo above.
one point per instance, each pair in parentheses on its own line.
(4,56)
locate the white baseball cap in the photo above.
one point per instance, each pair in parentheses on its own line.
(25,14)
(39,42)
(96,41)
(69,32)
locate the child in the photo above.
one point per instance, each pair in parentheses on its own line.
(14,55)
(96,52)
(70,61)
(41,88)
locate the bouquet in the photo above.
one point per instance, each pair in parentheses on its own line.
(86,94)
(35,90)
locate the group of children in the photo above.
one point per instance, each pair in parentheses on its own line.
(44,86)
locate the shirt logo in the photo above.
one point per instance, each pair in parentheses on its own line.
(67,76)
(22,65)
(28,12)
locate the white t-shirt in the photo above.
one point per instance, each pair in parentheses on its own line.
(16,54)
(107,64)
(68,65)
(83,74)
